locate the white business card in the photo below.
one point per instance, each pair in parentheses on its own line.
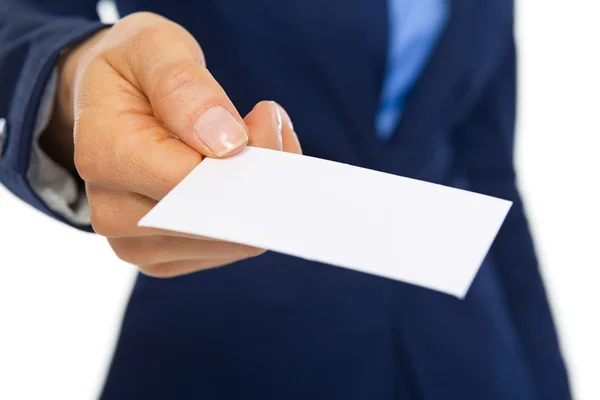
(399,228)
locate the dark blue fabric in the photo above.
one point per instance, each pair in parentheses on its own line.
(31,40)
(277,327)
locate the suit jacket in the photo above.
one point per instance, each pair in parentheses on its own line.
(277,327)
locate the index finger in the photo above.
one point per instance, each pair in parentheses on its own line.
(131,153)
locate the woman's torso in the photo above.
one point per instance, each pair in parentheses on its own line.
(281,327)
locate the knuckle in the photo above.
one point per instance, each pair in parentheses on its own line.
(129,250)
(123,250)
(85,165)
(177,79)
(101,228)
(86,154)
(166,270)
(139,251)
(88,81)
(102,223)
(147,37)
(105,217)
(164,37)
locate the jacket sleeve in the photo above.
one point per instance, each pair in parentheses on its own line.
(32,35)
(484,148)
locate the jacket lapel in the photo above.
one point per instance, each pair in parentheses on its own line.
(458,63)
(440,78)
(348,45)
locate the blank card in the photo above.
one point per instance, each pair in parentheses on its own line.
(376,223)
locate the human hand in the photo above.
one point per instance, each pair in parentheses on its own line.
(145,111)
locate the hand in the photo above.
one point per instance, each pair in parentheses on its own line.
(145,111)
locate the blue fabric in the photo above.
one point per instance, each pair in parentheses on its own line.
(414,28)
(279,327)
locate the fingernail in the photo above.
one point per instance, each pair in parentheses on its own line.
(220,131)
(277,121)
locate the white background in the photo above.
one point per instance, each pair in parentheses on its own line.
(62,292)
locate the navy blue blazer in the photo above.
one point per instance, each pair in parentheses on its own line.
(277,327)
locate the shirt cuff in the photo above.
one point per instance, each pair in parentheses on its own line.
(54,185)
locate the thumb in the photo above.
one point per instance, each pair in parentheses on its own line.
(167,65)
